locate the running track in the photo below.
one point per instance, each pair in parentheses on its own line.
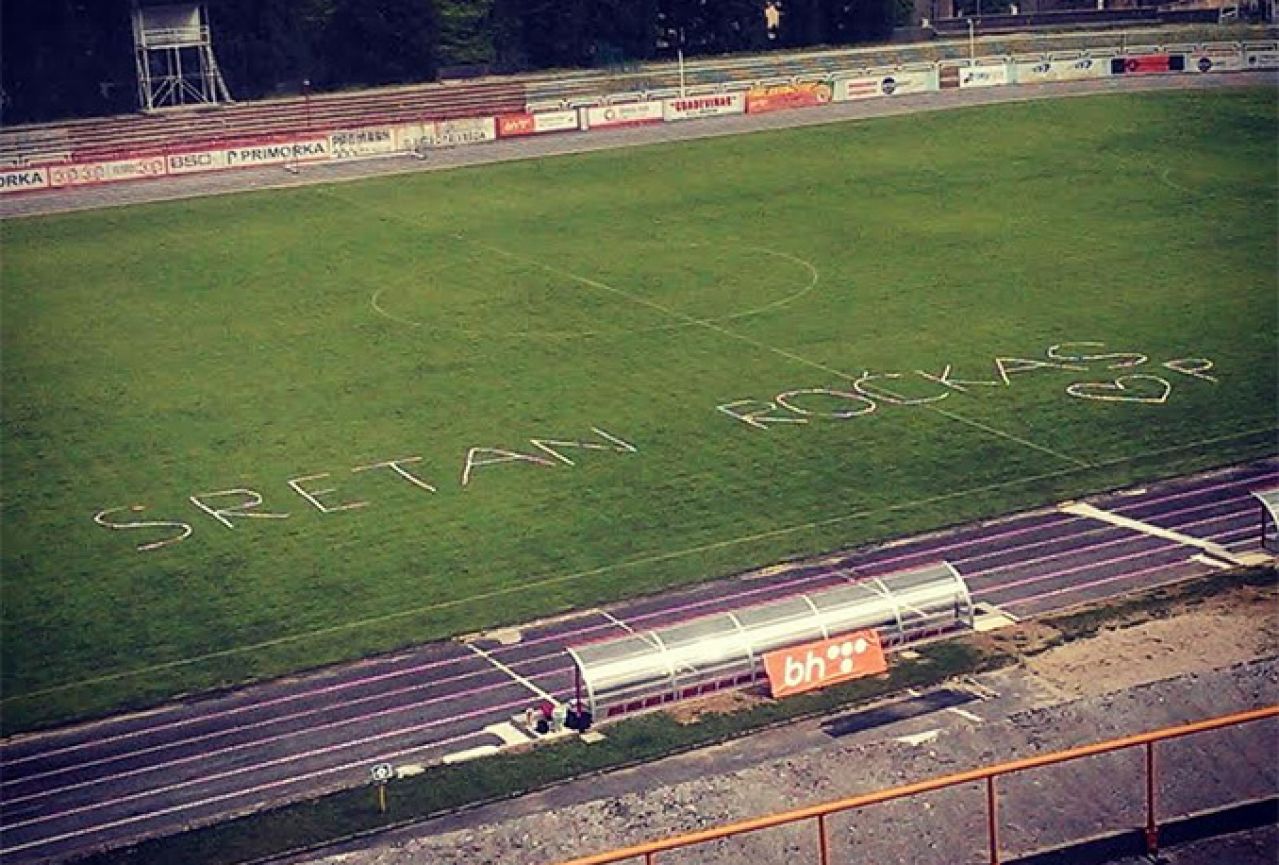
(104,784)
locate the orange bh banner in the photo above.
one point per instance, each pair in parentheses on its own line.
(816,665)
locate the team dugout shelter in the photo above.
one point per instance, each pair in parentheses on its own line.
(1269,501)
(725,650)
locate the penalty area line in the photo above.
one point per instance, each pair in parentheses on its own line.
(520,588)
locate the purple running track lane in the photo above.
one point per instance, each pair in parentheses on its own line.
(106,783)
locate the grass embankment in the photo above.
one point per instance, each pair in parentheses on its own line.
(208,348)
(644,739)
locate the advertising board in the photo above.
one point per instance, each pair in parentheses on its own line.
(1217,58)
(694,107)
(194,161)
(23,179)
(782,97)
(361,143)
(1261,57)
(826,662)
(514,125)
(1147,64)
(623,114)
(89,173)
(1046,71)
(278,153)
(852,89)
(984,75)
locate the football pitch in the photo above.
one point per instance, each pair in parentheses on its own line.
(254,433)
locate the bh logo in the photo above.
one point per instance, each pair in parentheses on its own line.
(816,665)
(815,668)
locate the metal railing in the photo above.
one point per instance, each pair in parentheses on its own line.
(818,813)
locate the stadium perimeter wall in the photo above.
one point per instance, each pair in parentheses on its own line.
(292,149)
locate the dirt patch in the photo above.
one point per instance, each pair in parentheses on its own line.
(1225,630)
(723,703)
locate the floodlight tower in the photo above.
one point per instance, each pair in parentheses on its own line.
(173,49)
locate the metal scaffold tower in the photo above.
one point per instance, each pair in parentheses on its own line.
(173,48)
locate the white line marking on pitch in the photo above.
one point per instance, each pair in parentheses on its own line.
(964,713)
(1082,509)
(508,671)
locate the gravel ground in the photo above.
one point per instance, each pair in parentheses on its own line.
(1026,712)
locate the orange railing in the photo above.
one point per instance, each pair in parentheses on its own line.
(819,813)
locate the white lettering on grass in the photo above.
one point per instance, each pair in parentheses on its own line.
(785,401)
(313,496)
(184,529)
(397,467)
(550,446)
(244,509)
(475,459)
(960,385)
(1192,366)
(1007,366)
(1122,359)
(863,386)
(756,417)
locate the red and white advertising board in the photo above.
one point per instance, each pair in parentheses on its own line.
(826,662)
(361,143)
(89,173)
(984,75)
(711,105)
(1047,71)
(514,125)
(852,89)
(623,114)
(1147,64)
(782,97)
(23,180)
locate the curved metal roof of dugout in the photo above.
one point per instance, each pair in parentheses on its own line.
(1270,501)
(646,668)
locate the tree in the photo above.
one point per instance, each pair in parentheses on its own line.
(382,42)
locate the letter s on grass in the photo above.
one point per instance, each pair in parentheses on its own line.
(184,530)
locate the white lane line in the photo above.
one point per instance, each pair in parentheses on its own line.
(917,739)
(1106,581)
(200,803)
(508,671)
(1083,509)
(1205,559)
(964,713)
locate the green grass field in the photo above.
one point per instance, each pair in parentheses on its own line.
(157,353)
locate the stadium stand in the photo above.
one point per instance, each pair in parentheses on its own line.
(103,139)
(100,139)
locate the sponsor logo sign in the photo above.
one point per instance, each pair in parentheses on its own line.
(1217,60)
(22,179)
(306,150)
(624,114)
(786,96)
(419,137)
(361,143)
(1262,58)
(88,173)
(902,82)
(827,662)
(692,107)
(511,125)
(865,87)
(983,76)
(195,161)
(1040,72)
(1148,64)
